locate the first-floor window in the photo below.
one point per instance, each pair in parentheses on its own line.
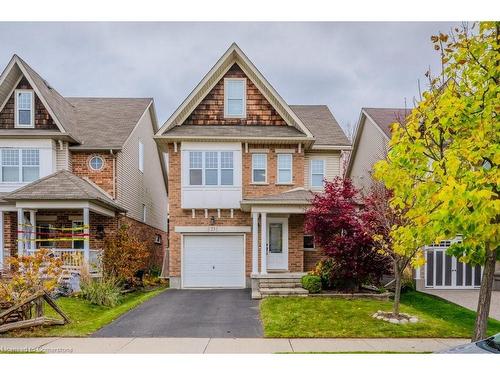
(308,242)
(77,231)
(20,165)
(45,234)
(284,168)
(317,172)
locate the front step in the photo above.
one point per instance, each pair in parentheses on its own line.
(277,284)
(282,292)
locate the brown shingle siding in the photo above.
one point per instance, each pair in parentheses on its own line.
(211,109)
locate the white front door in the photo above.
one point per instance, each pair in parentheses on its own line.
(277,243)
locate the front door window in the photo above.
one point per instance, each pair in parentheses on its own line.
(276,238)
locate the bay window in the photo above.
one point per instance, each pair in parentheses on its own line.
(211,168)
(19,165)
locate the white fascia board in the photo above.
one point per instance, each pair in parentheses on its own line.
(212,229)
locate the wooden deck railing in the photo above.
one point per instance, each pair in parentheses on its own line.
(73,260)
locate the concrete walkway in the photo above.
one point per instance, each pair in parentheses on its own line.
(468,299)
(221,345)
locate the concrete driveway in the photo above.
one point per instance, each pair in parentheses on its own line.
(190,313)
(468,299)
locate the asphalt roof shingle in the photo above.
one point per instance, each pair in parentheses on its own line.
(385,117)
(235,131)
(322,124)
(62,185)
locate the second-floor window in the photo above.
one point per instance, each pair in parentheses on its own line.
(317,172)
(235,97)
(24,116)
(211,168)
(19,165)
(284,169)
(259,168)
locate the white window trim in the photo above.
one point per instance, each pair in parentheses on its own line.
(90,163)
(144,213)
(265,169)
(278,182)
(32,110)
(203,169)
(20,166)
(141,156)
(311,174)
(244,114)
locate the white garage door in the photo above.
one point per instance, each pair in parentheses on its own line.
(211,261)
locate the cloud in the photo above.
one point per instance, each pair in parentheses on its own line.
(344,65)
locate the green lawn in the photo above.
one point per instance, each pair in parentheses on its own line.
(85,317)
(332,317)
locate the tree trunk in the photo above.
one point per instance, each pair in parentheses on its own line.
(397,290)
(483,305)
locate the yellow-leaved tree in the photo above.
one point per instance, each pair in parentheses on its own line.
(442,163)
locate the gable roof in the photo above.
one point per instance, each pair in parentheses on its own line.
(91,123)
(322,124)
(62,185)
(107,122)
(382,118)
(233,55)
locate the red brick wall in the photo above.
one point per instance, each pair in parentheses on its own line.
(43,120)
(180,217)
(311,258)
(211,109)
(103,178)
(250,190)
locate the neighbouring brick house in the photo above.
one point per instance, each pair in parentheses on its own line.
(370,144)
(72,170)
(243,166)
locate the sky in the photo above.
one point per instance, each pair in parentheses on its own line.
(345,65)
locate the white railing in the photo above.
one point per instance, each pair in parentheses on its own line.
(73,259)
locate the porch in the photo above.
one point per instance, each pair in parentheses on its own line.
(62,212)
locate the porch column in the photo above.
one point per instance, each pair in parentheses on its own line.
(255,243)
(86,238)
(33,230)
(263,243)
(20,230)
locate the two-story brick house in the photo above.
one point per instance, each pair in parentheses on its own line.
(73,169)
(242,168)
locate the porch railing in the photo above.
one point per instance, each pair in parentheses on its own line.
(73,260)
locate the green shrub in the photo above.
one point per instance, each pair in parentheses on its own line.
(325,270)
(312,283)
(102,292)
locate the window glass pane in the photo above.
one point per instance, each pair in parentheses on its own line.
(259,161)
(31,157)
(235,89)
(195,177)
(317,180)
(284,176)
(317,166)
(24,117)
(235,107)
(30,174)
(24,100)
(259,175)
(77,235)
(10,157)
(10,165)
(308,242)
(211,160)
(226,177)
(211,177)
(284,161)
(195,159)
(226,159)
(10,174)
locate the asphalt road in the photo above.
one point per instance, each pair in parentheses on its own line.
(190,313)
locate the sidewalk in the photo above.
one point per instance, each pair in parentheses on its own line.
(221,345)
